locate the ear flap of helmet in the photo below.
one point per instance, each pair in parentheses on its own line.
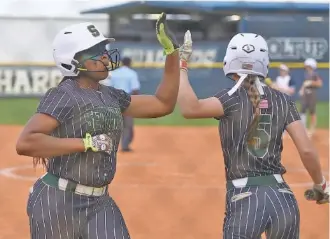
(68,68)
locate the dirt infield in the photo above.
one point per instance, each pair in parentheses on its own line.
(172,186)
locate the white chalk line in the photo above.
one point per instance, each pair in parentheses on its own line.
(11,173)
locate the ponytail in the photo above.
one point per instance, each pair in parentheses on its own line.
(254,97)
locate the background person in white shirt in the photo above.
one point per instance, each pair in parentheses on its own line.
(284,82)
(126,79)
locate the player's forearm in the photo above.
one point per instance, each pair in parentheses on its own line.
(45,146)
(316,84)
(187,98)
(312,164)
(167,91)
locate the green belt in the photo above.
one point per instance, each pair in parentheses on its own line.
(52,180)
(268,180)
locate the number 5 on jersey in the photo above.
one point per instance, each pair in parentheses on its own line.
(262,137)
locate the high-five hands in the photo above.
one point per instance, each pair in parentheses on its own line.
(164,36)
(186,48)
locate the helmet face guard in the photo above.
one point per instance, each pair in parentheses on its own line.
(98,51)
(114,58)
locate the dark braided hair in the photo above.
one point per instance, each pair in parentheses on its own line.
(254,96)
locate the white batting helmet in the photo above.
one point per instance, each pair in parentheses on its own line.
(71,40)
(246,54)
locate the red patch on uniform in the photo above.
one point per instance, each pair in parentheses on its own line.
(263,104)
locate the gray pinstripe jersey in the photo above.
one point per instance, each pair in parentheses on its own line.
(82,111)
(277,110)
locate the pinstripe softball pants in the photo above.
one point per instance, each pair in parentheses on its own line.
(56,214)
(251,211)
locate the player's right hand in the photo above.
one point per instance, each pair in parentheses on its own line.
(186,49)
(319,193)
(164,36)
(98,143)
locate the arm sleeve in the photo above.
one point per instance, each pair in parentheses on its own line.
(135,84)
(293,114)
(57,104)
(226,101)
(124,99)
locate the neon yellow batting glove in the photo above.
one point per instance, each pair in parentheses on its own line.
(268,81)
(164,36)
(98,143)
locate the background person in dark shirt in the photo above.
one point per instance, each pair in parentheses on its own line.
(308,94)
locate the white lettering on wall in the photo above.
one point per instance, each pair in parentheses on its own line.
(297,48)
(156,55)
(21,82)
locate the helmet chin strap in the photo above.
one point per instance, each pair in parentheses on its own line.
(240,81)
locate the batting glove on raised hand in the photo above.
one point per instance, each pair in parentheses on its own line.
(319,193)
(186,49)
(98,143)
(164,36)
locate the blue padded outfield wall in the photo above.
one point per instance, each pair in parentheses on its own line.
(291,40)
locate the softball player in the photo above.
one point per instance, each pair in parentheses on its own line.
(284,81)
(252,120)
(77,127)
(308,93)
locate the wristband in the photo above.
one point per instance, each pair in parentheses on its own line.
(323,185)
(183,65)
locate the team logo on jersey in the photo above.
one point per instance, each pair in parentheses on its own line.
(248,48)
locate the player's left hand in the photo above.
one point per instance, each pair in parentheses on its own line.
(98,143)
(268,81)
(186,49)
(164,36)
(319,193)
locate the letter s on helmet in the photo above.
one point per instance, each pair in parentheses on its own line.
(71,40)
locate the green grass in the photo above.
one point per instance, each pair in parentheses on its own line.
(18,111)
